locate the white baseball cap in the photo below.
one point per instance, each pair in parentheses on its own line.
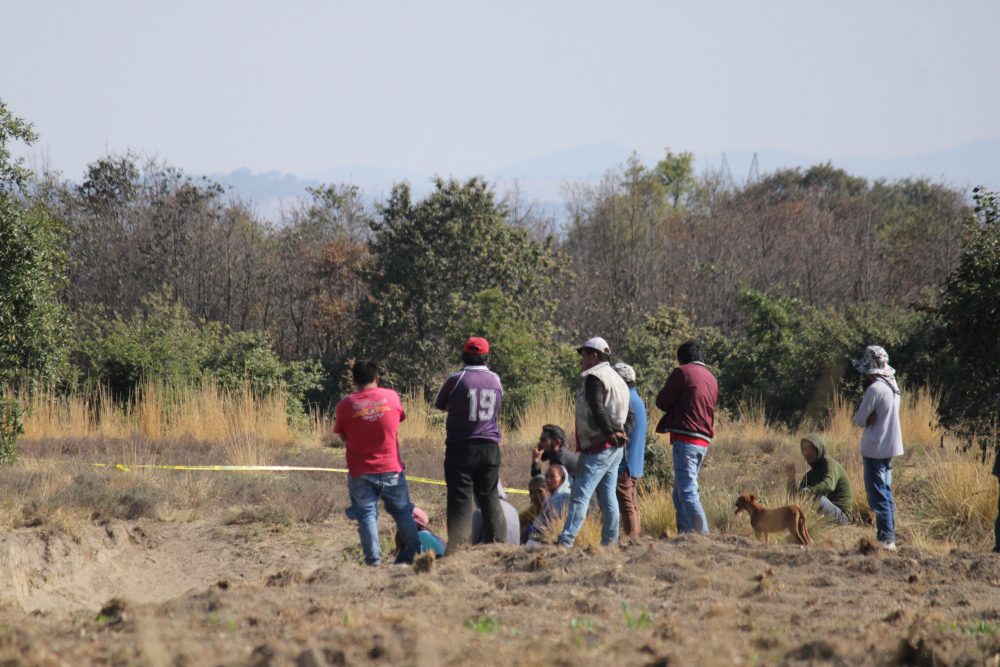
(596,343)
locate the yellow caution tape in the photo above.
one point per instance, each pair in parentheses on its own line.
(228,468)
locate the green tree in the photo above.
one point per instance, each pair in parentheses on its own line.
(164,343)
(676,173)
(524,353)
(429,260)
(161,342)
(651,347)
(793,356)
(968,321)
(32,319)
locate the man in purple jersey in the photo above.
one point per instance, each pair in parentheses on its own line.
(472,398)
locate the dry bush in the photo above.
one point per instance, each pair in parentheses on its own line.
(555,407)
(158,412)
(111,496)
(918,417)
(749,433)
(589,536)
(27,500)
(956,502)
(423,421)
(656,512)
(266,514)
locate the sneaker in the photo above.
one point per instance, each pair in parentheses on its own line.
(888,546)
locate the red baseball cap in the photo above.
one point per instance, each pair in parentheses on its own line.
(476,345)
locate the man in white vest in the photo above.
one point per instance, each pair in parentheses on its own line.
(603,421)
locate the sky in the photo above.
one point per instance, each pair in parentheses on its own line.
(467,87)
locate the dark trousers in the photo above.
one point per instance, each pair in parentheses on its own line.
(472,472)
(996,524)
(628,504)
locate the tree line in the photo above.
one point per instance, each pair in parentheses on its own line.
(782,279)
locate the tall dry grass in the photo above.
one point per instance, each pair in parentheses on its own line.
(918,419)
(942,496)
(250,425)
(589,536)
(424,422)
(957,502)
(554,407)
(656,512)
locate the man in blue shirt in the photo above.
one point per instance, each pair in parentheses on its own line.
(635,454)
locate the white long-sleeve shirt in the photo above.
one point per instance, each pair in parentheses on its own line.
(884,438)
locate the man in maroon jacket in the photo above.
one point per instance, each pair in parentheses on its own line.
(688,401)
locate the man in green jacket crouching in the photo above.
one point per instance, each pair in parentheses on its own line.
(826,480)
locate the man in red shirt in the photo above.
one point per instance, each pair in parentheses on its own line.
(688,401)
(368,422)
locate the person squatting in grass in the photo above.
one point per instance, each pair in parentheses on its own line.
(826,481)
(553,495)
(428,540)
(632,462)
(368,422)
(510,516)
(688,400)
(881,440)
(472,398)
(603,421)
(551,448)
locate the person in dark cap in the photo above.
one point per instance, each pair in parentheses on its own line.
(472,398)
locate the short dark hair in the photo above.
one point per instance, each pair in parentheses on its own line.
(364,372)
(601,356)
(555,432)
(690,352)
(474,359)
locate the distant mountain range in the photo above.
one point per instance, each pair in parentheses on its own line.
(542,179)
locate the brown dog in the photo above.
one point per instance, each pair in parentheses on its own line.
(789,517)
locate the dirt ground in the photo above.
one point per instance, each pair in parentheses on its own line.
(203,592)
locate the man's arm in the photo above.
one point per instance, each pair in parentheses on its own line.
(594,393)
(826,485)
(536,461)
(671,390)
(629,421)
(865,414)
(441,402)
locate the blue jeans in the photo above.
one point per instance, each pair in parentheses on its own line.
(687,503)
(365,490)
(594,472)
(878,487)
(824,507)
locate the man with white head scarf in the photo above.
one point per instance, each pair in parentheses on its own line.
(882,439)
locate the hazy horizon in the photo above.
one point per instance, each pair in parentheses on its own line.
(444,87)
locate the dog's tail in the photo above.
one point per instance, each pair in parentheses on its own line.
(801,531)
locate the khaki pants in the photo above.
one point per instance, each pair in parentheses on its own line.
(628,505)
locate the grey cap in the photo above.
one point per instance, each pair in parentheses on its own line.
(626,371)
